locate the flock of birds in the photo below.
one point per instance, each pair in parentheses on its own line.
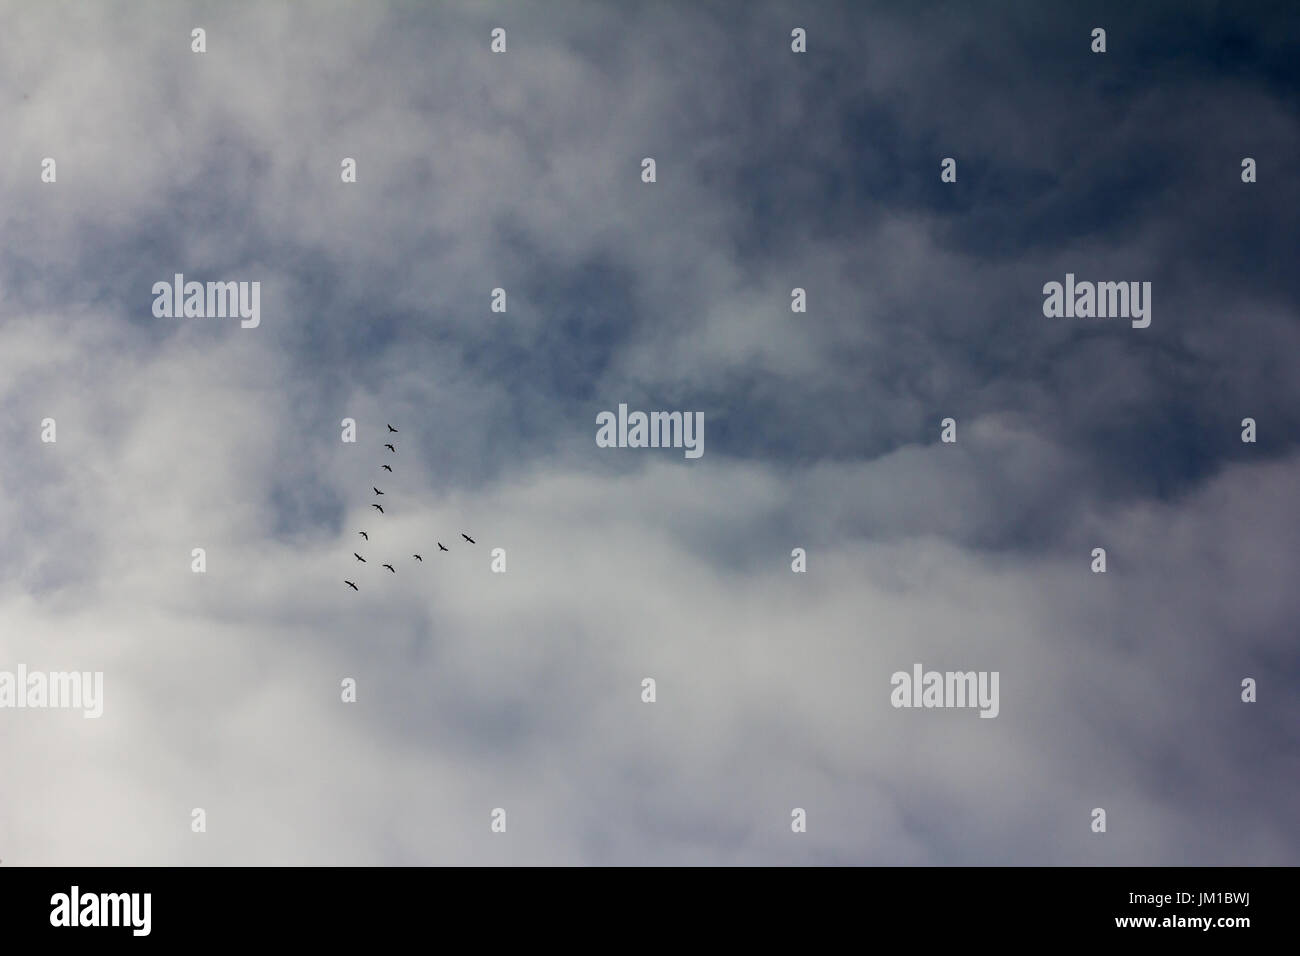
(380,508)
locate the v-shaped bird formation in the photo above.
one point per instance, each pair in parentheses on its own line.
(392,447)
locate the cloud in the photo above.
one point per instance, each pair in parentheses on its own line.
(522,690)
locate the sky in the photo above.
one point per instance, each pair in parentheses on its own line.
(775,170)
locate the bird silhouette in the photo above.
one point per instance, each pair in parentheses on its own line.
(391,428)
(386,467)
(418,558)
(364,535)
(391,448)
(390,568)
(381,510)
(358,557)
(468,538)
(352,586)
(441,548)
(377,491)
